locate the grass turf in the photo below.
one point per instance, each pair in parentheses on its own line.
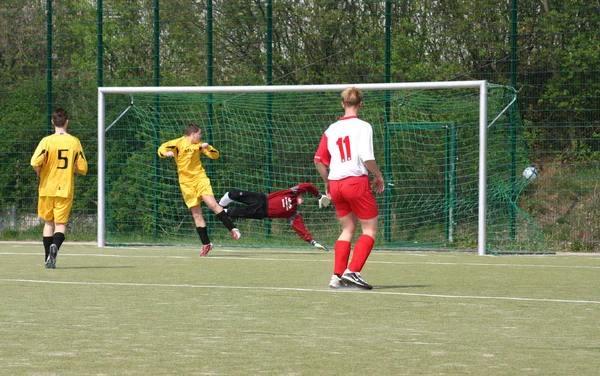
(165,311)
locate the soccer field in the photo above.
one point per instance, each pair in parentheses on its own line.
(166,311)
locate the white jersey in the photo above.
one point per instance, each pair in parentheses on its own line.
(350,144)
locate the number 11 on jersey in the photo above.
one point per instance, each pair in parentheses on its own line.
(344,143)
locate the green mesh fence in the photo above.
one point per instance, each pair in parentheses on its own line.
(427,144)
(57,53)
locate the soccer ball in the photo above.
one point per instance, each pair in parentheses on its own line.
(530,173)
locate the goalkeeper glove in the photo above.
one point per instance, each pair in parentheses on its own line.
(324,201)
(319,245)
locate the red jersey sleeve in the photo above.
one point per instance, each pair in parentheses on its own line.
(305,187)
(322,155)
(298,226)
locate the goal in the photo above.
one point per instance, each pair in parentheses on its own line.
(450,157)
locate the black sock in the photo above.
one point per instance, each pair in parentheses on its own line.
(47,240)
(58,239)
(203,234)
(224,217)
(234,194)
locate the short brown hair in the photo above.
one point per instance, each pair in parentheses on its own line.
(59,117)
(351,97)
(192,128)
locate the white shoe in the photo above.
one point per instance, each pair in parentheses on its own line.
(51,261)
(354,278)
(236,234)
(337,283)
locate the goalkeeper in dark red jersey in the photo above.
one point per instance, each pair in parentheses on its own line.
(280,204)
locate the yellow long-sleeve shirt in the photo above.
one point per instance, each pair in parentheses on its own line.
(187,157)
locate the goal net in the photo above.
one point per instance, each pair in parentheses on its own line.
(431,141)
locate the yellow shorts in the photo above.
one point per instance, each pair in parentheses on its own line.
(193,191)
(55,209)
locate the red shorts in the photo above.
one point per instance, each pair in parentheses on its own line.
(353,195)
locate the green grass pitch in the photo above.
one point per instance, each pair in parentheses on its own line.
(166,311)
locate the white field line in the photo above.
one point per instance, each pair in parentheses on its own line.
(371,260)
(97,255)
(265,288)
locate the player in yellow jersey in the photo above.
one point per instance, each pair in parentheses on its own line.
(194,182)
(56,159)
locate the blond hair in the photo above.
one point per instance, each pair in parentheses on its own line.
(351,97)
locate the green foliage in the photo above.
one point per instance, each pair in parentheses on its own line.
(571,90)
(312,43)
(18,139)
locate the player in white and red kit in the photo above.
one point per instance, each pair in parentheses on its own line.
(280,204)
(344,159)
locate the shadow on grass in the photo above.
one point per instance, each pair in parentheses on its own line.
(250,254)
(379,287)
(94,267)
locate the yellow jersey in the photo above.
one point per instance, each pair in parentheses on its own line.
(59,156)
(187,157)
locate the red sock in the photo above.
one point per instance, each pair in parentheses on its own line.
(362,250)
(342,254)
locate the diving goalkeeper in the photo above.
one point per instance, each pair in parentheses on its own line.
(280,204)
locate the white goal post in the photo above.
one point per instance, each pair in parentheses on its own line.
(483,125)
